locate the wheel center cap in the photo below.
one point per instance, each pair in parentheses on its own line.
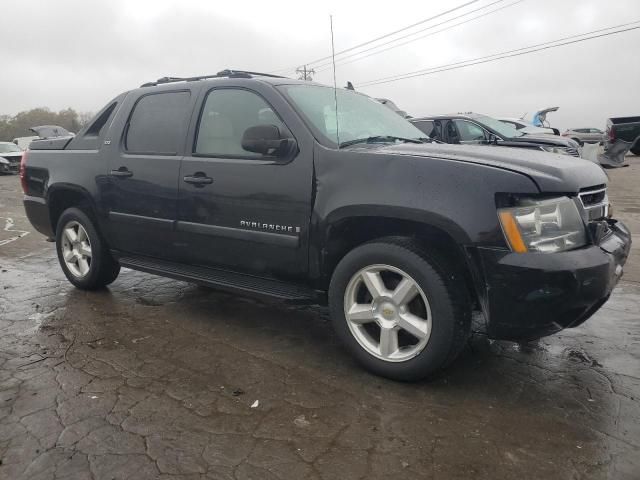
(388,311)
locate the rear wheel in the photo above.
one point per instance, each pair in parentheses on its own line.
(636,148)
(82,253)
(402,313)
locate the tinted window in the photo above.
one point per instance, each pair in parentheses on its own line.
(227,113)
(158,123)
(100,121)
(426,126)
(469,132)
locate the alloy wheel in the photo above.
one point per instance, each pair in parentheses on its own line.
(76,249)
(388,313)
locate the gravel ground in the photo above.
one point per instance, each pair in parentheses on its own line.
(155,378)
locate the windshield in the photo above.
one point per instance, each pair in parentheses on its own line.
(9,147)
(501,128)
(359,116)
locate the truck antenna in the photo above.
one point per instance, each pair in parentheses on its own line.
(335,84)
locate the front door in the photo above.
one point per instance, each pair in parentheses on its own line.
(469,132)
(141,191)
(240,210)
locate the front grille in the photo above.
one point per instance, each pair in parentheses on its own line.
(573,151)
(595,201)
(13,160)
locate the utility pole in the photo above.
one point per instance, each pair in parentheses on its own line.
(305,73)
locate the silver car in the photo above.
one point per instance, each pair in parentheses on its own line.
(585,135)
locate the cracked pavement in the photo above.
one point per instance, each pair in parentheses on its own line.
(155,378)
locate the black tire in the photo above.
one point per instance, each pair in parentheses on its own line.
(636,148)
(103,269)
(444,288)
(578,141)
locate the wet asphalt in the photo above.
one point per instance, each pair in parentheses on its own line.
(155,378)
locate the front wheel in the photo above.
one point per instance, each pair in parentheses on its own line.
(82,253)
(404,314)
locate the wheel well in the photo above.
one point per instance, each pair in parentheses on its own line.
(60,200)
(345,235)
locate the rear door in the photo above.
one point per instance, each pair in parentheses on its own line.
(141,185)
(249,212)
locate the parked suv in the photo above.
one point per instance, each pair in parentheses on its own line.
(476,129)
(251,183)
(585,135)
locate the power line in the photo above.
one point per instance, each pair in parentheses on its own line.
(324,66)
(386,35)
(382,36)
(500,55)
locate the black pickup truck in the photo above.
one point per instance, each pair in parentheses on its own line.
(252,183)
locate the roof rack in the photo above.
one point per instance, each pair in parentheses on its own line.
(228,73)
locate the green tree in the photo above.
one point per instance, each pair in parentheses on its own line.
(19,124)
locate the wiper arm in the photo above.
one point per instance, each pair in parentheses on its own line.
(379,138)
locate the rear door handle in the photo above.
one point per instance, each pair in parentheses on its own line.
(198,179)
(121,172)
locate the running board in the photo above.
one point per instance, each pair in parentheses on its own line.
(224,280)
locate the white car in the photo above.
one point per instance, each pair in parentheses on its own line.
(10,157)
(526,127)
(23,142)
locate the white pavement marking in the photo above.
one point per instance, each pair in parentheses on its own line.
(8,227)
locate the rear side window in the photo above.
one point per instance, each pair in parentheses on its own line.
(100,121)
(158,123)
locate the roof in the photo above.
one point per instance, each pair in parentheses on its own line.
(450,115)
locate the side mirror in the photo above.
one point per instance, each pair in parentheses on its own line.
(266,140)
(492,139)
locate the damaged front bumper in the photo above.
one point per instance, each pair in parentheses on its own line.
(530,295)
(9,167)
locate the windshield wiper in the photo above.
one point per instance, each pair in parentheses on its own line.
(379,138)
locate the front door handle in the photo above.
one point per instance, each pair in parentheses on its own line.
(198,179)
(122,172)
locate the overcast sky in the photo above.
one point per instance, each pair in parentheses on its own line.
(81,53)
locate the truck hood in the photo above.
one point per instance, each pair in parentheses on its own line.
(549,171)
(541,139)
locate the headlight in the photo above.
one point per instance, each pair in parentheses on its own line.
(554,149)
(545,226)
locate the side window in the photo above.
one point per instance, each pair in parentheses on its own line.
(426,126)
(469,132)
(226,114)
(158,123)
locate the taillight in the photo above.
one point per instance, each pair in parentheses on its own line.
(23,173)
(611,134)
